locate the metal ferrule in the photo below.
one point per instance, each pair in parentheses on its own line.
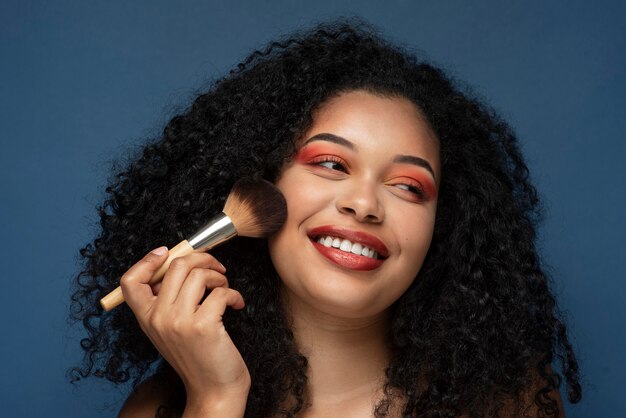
(216,231)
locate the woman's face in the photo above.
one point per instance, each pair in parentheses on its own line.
(365,179)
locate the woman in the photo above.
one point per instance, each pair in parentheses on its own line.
(446,312)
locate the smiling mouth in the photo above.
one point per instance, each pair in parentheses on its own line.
(347,246)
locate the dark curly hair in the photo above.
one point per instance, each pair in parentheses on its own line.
(477,327)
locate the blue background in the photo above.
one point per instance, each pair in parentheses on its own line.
(82,83)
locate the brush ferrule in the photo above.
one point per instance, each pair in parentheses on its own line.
(216,231)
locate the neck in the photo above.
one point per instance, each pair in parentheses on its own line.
(347,356)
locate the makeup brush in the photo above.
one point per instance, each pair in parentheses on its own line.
(254,208)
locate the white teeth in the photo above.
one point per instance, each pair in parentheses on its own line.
(347,246)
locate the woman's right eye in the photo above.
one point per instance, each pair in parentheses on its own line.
(330,162)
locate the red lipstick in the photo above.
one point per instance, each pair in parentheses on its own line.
(347,259)
(364,238)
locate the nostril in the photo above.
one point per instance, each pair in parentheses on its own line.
(365,208)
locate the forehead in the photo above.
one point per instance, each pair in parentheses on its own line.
(379,123)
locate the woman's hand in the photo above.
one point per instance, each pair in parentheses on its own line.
(190,335)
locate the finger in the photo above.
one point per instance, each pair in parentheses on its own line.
(156,287)
(178,271)
(215,304)
(134,283)
(193,290)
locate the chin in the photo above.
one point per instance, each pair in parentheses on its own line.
(340,300)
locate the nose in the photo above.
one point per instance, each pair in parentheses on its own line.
(361,202)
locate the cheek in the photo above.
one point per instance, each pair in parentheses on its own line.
(279,244)
(415,239)
(304,196)
(304,199)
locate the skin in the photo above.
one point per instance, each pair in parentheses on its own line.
(185,331)
(359,187)
(339,313)
(340,321)
(380,179)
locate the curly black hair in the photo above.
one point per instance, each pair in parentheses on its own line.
(477,327)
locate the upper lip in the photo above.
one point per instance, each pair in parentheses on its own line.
(361,237)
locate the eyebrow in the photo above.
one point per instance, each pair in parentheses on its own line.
(411,159)
(331,138)
(401,159)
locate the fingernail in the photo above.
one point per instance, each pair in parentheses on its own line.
(159,251)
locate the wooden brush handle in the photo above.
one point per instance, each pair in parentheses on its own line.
(116,297)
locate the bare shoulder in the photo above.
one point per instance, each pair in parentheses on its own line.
(144,401)
(551,400)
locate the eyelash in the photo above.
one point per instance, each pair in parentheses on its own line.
(413,188)
(319,161)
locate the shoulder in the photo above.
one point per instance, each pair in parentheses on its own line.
(144,401)
(538,399)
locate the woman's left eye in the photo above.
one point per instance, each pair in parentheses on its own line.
(415,190)
(408,187)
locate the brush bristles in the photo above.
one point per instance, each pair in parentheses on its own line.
(256,207)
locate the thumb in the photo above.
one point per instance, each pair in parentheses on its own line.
(135,282)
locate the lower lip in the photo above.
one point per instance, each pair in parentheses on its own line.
(347,260)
